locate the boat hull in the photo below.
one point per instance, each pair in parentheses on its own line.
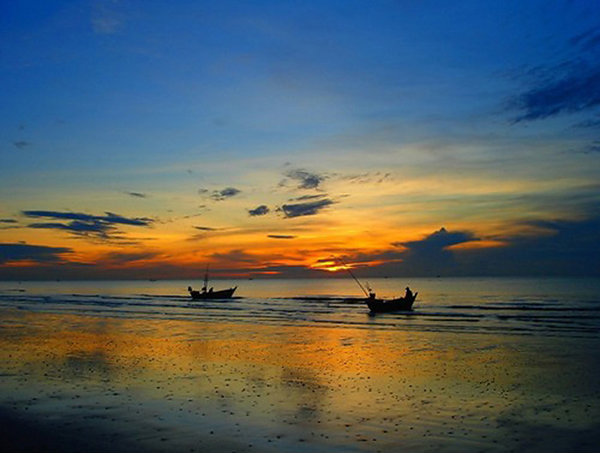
(221,294)
(384,306)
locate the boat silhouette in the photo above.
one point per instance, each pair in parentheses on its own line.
(210,293)
(382,305)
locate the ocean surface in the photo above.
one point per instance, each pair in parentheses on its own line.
(481,365)
(548,306)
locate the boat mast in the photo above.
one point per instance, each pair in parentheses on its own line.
(367,293)
(205,288)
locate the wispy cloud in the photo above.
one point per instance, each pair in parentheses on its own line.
(121,258)
(308,197)
(305,179)
(576,91)
(137,194)
(304,209)
(21,144)
(107,19)
(86,225)
(204,228)
(228,192)
(258,211)
(26,252)
(281,236)
(570,86)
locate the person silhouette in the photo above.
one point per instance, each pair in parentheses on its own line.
(409,294)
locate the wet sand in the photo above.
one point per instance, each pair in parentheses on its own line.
(78,383)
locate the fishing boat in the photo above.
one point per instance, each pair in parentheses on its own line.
(381,305)
(209,293)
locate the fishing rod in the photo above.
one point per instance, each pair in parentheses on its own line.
(367,293)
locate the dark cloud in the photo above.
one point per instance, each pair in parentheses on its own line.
(550,248)
(569,86)
(137,194)
(258,211)
(588,40)
(280,236)
(308,197)
(228,192)
(438,240)
(76,226)
(306,180)
(579,90)
(303,209)
(205,228)
(21,144)
(8,221)
(431,256)
(87,225)
(38,253)
(9,226)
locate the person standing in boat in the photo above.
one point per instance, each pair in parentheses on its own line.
(409,294)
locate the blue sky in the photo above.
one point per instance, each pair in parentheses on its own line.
(479,117)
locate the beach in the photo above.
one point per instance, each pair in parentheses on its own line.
(73,382)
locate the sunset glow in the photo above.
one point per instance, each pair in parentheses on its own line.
(147,141)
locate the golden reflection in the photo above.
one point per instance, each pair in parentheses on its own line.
(343,385)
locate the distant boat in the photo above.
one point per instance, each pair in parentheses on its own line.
(209,293)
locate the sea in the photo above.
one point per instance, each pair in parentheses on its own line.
(519,306)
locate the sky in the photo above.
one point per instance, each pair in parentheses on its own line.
(272,138)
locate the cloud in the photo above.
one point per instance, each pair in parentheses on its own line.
(308,197)
(228,192)
(137,194)
(258,211)
(25,252)
(579,90)
(304,209)
(21,144)
(118,258)
(588,40)
(593,148)
(11,224)
(306,180)
(280,236)
(570,86)
(87,225)
(549,248)
(431,255)
(76,226)
(205,228)
(591,123)
(106,18)
(438,240)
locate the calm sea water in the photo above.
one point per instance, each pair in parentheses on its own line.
(555,307)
